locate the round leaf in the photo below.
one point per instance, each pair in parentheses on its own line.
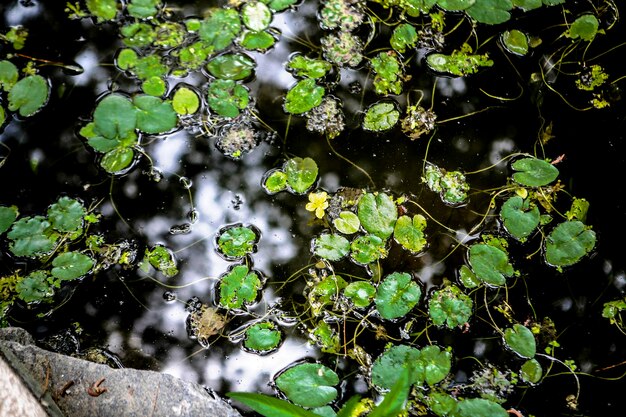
(450,306)
(114,117)
(360,293)
(515,41)
(34,287)
(28,95)
(154,115)
(227,98)
(301,173)
(584,27)
(534,172)
(490,264)
(396,295)
(309,384)
(234,66)
(521,340)
(303,96)
(257,41)
(275,181)
(8,75)
(531,371)
(410,233)
(568,243)
(235,242)
(387,368)
(331,246)
(30,237)
(433,365)
(378,214)
(220,28)
(66,215)
(479,407)
(520,219)
(8,214)
(347,222)
(262,337)
(367,249)
(117,160)
(381,116)
(256,16)
(239,287)
(71,265)
(185,101)
(490,12)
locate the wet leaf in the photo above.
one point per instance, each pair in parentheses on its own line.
(303,96)
(531,371)
(71,265)
(142,9)
(325,292)
(162,259)
(308,384)
(395,401)
(410,232)
(239,287)
(468,278)
(367,249)
(115,117)
(490,12)
(220,28)
(534,172)
(459,63)
(388,73)
(331,246)
(269,406)
(515,41)
(347,222)
(154,115)
(520,217)
(66,215)
(235,242)
(262,337)
(568,243)
(453,5)
(578,210)
(325,337)
(154,86)
(8,214)
(30,236)
(301,174)
(29,95)
(34,287)
(396,295)
(441,404)
(102,9)
(279,5)
(257,41)
(521,340)
(479,407)
(584,27)
(378,214)
(450,306)
(388,367)
(433,365)
(302,66)
(117,160)
(404,36)
(527,5)
(232,66)
(8,75)
(256,15)
(381,116)
(360,293)
(227,98)
(185,101)
(138,35)
(490,264)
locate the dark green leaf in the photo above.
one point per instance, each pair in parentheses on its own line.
(8,214)
(450,306)
(396,295)
(8,75)
(479,407)
(154,115)
(270,406)
(367,249)
(490,264)
(531,371)
(227,98)
(331,246)
(490,12)
(534,172)
(305,67)
(388,367)
(30,237)
(220,28)
(234,66)
(521,340)
(520,218)
(117,160)
(71,265)
(262,337)
(239,287)
(115,117)
(66,215)
(404,36)
(515,41)
(568,243)
(309,384)
(29,95)
(143,9)
(378,214)
(395,401)
(453,5)
(34,287)
(347,222)
(257,41)
(275,181)
(185,101)
(162,259)
(103,9)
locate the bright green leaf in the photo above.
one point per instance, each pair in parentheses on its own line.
(378,214)
(227,97)
(360,293)
(381,116)
(396,295)
(534,172)
(143,9)
(490,12)
(301,174)
(71,265)
(479,407)
(8,75)
(331,246)
(274,181)
(303,96)
(531,371)
(520,217)
(117,160)
(515,41)
(220,28)
(568,243)
(410,232)
(309,384)
(262,337)
(239,287)
(490,264)
(395,400)
(584,27)
(521,340)
(388,367)
(270,406)
(232,66)
(185,101)
(66,215)
(29,95)
(367,249)
(154,115)
(347,222)
(237,241)
(34,287)
(450,306)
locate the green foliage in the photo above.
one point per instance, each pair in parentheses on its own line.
(490,264)
(531,371)
(308,384)
(367,249)
(568,243)
(257,41)
(460,62)
(239,287)
(29,95)
(360,293)
(534,172)
(395,401)
(262,337)
(515,41)
(347,222)
(35,287)
(103,9)
(269,406)
(71,265)
(451,185)
(490,12)
(520,217)
(325,292)
(430,365)
(410,233)
(185,101)
(275,181)
(479,407)
(302,66)
(303,96)
(162,259)
(301,174)
(397,295)
(343,49)
(449,306)
(381,116)
(227,97)
(389,73)
(521,340)
(404,36)
(8,214)
(237,241)
(8,75)
(31,236)
(378,214)
(256,15)
(143,9)
(219,29)
(231,66)
(331,246)
(584,27)
(154,115)
(66,215)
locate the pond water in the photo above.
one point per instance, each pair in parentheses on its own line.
(141,317)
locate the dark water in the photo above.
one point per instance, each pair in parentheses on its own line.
(127,314)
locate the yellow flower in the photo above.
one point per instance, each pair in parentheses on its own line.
(318,203)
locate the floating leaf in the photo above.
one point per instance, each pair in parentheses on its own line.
(262,337)
(279,5)
(520,217)
(303,96)
(490,12)
(256,15)
(325,292)
(220,28)
(34,287)
(468,278)
(388,367)
(450,306)
(388,73)
(367,249)
(527,5)
(302,66)
(232,66)
(237,241)
(441,404)
(301,174)
(584,27)
(459,63)
(29,95)
(325,337)
(410,232)
(433,365)
(360,293)
(568,243)
(479,407)
(154,115)
(257,41)
(534,172)
(396,295)
(378,214)
(8,75)
(521,340)
(227,98)
(515,41)
(115,117)
(138,35)
(143,9)
(185,101)
(103,9)
(117,160)
(71,265)
(331,246)
(8,214)
(66,215)
(30,236)
(154,86)
(162,259)
(347,222)
(404,36)
(490,264)
(239,287)
(395,401)
(269,406)
(531,371)
(381,116)
(578,210)
(308,384)
(454,5)
(274,181)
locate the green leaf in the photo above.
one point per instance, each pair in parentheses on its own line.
(154,115)
(360,293)
(452,186)
(410,233)
(154,86)
(441,404)
(519,217)
(531,371)
(30,237)
(8,75)
(534,172)
(433,365)
(117,160)
(103,9)
(450,306)
(347,222)
(378,214)
(227,97)
(303,96)
(381,116)
(367,249)
(468,278)
(29,95)
(325,292)
(275,180)
(584,27)
(490,12)
(143,9)
(138,35)
(220,28)
(578,210)
(66,215)
(490,264)
(162,259)
(521,340)
(270,406)
(395,401)
(454,5)
(350,407)
(115,117)
(8,214)
(479,407)
(308,384)
(331,246)
(388,367)
(34,287)
(527,5)
(302,66)
(262,337)
(279,5)
(239,287)
(404,36)
(257,41)
(568,243)
(256,15)
(325,336)
(185,101)
(71,265)
(388,73)
(232,66)
(459,63)
(301,174)
(515,41)
(396,295)
(237,241)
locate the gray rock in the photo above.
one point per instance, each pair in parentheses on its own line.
(64,385)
